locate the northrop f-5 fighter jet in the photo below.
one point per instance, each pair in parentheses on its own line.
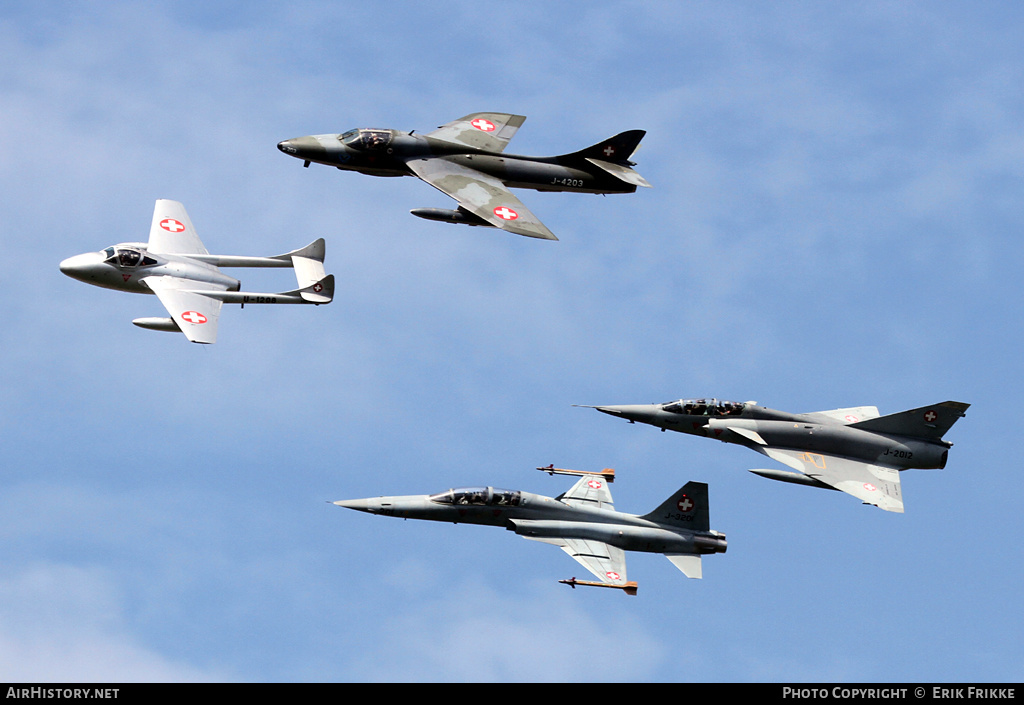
(176,267)
(582,522)
(853,450)
(465,160)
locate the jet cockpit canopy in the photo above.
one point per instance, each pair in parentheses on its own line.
(479,496)
(704,407)
(366,140)
(124,256)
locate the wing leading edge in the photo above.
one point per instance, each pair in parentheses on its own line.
(196,315)
(482,195)
(490,132)
(871,484)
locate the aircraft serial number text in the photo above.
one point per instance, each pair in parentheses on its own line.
(568,182)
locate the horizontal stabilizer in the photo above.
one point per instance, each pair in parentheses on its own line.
(621,172)
(308,271)
(689,563)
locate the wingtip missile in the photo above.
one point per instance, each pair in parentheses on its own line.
(629,588)
(607,473)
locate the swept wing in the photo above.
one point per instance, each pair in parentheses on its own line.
(196,315)
(872,484)
(171,232)
(487,131)
(482,195)
(590,492)
(606,562)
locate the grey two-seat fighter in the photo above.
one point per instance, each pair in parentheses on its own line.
(465,159)
(853,450)
(582,522)
(176,267)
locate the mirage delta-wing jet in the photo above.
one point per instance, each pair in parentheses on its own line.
(465,160)
(582,522)
(176,267)
(853,450)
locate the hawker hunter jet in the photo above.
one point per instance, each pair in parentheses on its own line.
(853,450)
(465,160)
(582,522)
(176,267)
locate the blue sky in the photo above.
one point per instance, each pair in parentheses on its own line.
(835,221)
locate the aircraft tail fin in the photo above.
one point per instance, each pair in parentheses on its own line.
(319,292)
(315,250)
(612,155)
(616,149)
(687,507)
(931,422)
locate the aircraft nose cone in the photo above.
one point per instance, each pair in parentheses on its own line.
(79,266)
(360,505)
(303,147)
(633,412)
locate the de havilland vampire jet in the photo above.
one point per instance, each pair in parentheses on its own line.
(464,159)
(176,267)
(582,522)
(853,450)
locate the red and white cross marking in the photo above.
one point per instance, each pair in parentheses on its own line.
(850,418)
(318,287)
(685,504)
(930,415)
(869,487)
(505,213)
(609,151)
(194,317)
(483,125)
(594,484)
(171,225)
(612,575)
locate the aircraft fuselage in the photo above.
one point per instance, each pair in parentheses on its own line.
(537,516)
(394,149)
(122,267)
(780,429)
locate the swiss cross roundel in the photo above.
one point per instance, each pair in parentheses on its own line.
(505,213)
(483,125)
(594,484)
(869,487)
(194,317)
(612,575)
(851,418)
(930,415)
(685,504)
(171,225)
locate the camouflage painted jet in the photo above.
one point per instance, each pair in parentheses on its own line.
(464,159)
(582,522)
(176,267)
(853,450)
